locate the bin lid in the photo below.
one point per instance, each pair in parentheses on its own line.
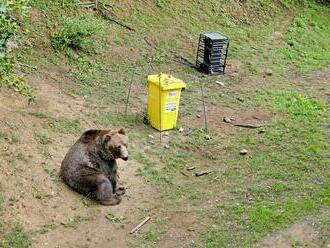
(215,36)
(167,82)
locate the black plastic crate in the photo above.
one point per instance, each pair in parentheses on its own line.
(212,52)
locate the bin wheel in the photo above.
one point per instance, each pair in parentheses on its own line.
(146,120)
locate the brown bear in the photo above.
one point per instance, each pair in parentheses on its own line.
(90,165)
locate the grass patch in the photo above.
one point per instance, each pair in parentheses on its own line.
(40,114)
(11,137)
(17,238)
(307,39)
(76,220)
(288,177)
(153,234)
(48,227)
(77,34)
(65,125)
(38,194)
(43,138)
(116,218)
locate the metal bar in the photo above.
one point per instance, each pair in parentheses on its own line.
(224,68)
(198,50)
(129,91)
(204,108)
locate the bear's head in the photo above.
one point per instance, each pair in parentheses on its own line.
(116,144)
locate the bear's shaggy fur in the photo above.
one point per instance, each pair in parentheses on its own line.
(90,165)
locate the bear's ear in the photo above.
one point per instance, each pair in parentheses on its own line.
(122,131)
(106,137)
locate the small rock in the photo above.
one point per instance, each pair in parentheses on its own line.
(191,229)
(243,152)
(198,116)
(240,99)
(262,131)
(208,137)
(151,136)
(227,119)
(189,168)
(167,146)
(181,129)
(269,72)
(220,83)
(166,133)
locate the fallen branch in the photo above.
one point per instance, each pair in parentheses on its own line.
(135,229)
(246,125)
(110,18)
(203,173)
(232,122)
(188,133)
(184,174)
(105,12)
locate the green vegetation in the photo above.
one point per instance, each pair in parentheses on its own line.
(65,125)
(11,12)
(76,34)
(152,234)
(43,138)
(307,39)
(12,137)
(16,238)
(38,194)
(75,221)
(116,219)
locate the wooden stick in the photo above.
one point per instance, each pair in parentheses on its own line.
(246,125)
(135,229)
(203,173)
(184,174)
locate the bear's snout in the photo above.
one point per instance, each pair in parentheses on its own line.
(125,158)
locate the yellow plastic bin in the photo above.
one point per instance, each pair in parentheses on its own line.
(163,110)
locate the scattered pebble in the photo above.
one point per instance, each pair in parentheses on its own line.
(208,137)
(227,119)
(166,133)
(181,129)
(191,229)
(198,116)
(240,99)
(220,83)
(167,146)
(243,152)
(249,197)
(190,168)
(151,136)
(269,72)
(262,131)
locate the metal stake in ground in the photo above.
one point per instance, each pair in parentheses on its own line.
(204,108)
(129,91)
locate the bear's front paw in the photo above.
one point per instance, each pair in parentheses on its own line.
(114,200)
(120,191)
